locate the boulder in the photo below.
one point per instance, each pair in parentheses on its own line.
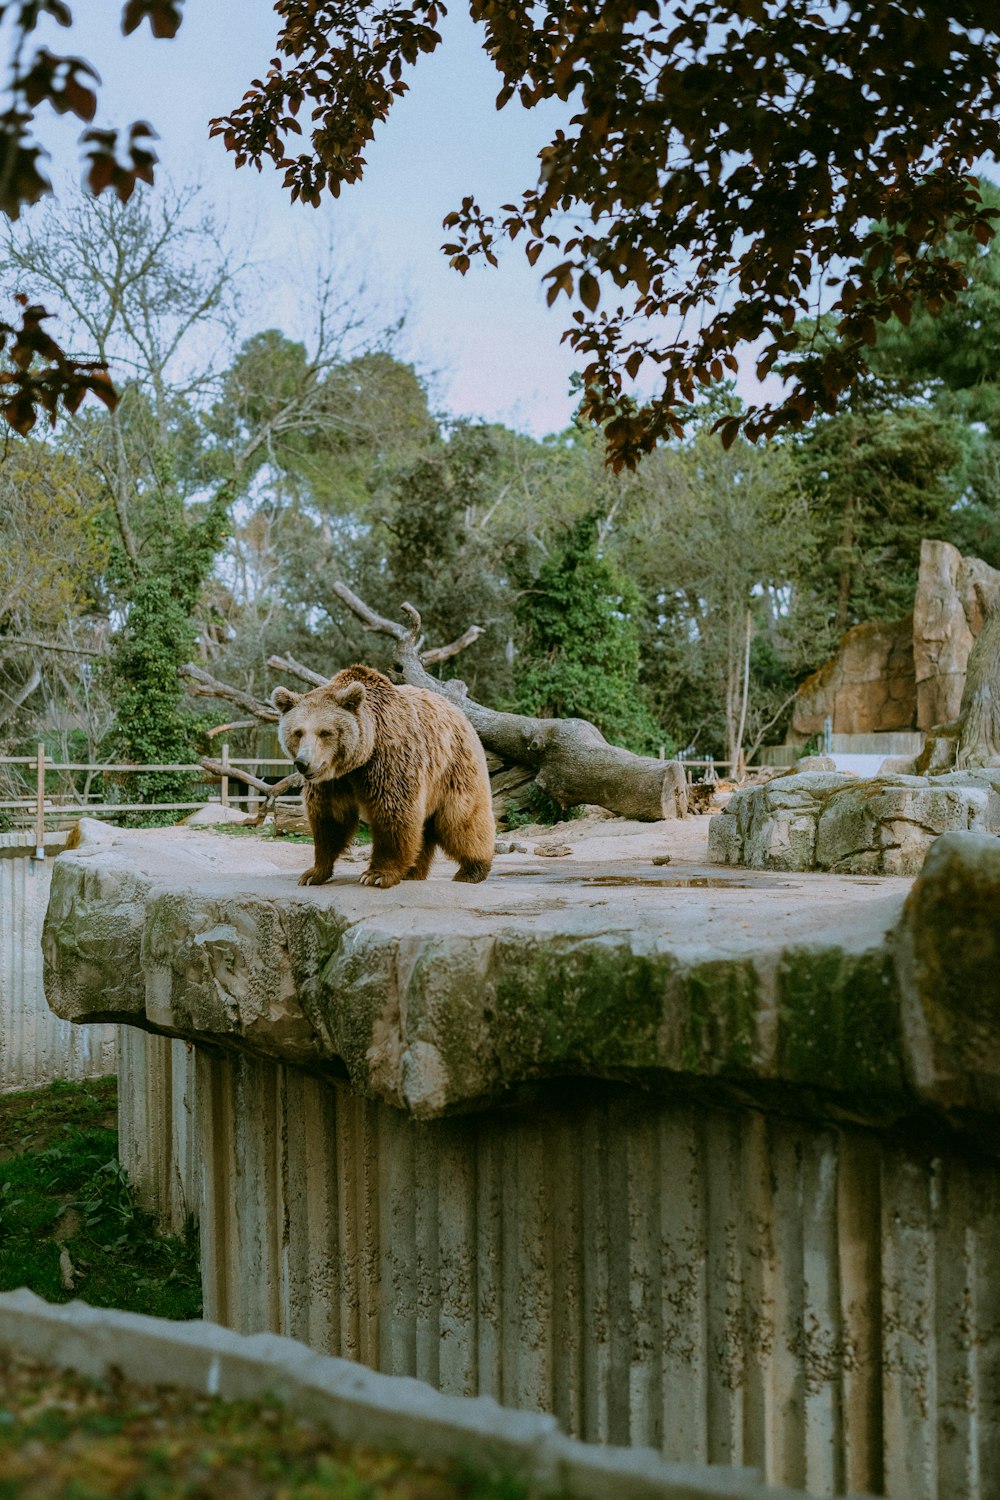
(881,826)
(773,827)
(954,594)
(948,963)
(867,688)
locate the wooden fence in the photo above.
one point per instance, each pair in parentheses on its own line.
(40,805)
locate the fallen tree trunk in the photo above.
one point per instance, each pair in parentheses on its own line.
(569,759)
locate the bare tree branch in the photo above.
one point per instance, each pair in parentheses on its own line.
(19,640)
(444,653)
(202,685)
(14,700)
(272,790)
(290,783)
(296,669)
(236,724)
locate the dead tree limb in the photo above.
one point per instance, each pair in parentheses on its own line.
(445,653)
(227,728)
(271,790)
(569,758)
(295,668)
(200,684)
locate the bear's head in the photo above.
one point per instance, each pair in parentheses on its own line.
(328,732)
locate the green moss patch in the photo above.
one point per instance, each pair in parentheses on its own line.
(63,1437)
(839,1025)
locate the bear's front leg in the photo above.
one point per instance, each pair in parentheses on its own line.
(394,852)
(333,826)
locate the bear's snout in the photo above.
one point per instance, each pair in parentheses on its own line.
(302,766)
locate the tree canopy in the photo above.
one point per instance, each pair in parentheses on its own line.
(730,166)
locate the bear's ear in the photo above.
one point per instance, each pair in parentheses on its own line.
(283,699)
(352,696)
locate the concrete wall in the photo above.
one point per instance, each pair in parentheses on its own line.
(35,1045)
(157,1141)
(726,1286)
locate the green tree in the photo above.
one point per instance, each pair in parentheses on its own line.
(143,284)
(878,482)
(716,541)
(158,635)
(580,644)
(52,556)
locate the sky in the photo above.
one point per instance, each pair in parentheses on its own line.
(488,343)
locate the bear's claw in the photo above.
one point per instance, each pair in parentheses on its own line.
(383,878)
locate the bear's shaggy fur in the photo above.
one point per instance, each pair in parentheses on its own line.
(405,760)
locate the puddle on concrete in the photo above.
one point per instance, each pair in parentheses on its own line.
(675,883)
(663,882)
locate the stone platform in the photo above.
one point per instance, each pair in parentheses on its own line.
(692,1156)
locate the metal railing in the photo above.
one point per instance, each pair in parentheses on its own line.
(60,806)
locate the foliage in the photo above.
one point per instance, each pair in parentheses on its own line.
(878,481)
(38,373)
(68,1437)
(62,1187)
(722,154)
(145,283)
(51,550)
(711,538)
(580,644)
(157,637)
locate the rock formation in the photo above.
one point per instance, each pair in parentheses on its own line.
(909,673)
(867,688)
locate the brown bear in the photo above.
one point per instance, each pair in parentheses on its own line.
(405,760)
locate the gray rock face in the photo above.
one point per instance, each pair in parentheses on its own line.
(953,594)
(881,826)
(438,998)
(948,959)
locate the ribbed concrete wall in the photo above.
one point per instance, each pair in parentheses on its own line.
(728,1286)
(35,1046)
(157,1141)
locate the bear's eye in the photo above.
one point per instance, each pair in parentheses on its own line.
(325,734)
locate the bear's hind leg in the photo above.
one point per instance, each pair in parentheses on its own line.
(468,834)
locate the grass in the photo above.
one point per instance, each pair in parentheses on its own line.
(69,1223)
(240,830)
(63,1437)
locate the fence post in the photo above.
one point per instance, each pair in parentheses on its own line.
(225,778)
(40,803)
